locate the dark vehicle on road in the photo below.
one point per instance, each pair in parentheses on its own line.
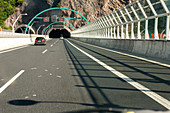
(40,41)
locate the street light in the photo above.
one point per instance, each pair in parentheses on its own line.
(39,28)
(13,30)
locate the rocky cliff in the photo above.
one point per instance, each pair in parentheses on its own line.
(91,9)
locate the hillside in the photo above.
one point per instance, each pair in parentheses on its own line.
(7,8)
(91,9)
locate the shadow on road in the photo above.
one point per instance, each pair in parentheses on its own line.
(99,85)
(88,77)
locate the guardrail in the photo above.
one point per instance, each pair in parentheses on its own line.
(142,19)
(11,40)
(16,35)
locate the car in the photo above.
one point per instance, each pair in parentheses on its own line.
(40,41)
(61,38)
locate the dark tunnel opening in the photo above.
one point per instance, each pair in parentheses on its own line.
(19,31)
(57,33)
(22,30)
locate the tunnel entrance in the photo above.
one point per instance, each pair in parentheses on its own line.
(57,33)
(22,29)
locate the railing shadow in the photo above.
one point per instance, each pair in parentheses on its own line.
(136,68)
(90,83)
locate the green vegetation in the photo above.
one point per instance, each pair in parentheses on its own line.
(6,9)
(59,4)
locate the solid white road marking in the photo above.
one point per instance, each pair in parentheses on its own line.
(12,49)
(52,45)
(44,51)
(11,81)
(161,100)
(133,56)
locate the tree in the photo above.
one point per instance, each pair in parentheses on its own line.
(59,4)
(19,2)
(7,8)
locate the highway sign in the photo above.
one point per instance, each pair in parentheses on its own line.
(46,19)
(62,19)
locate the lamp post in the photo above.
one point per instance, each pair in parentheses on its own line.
(39,28)
(13,29)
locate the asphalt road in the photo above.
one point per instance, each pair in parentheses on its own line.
(59,77)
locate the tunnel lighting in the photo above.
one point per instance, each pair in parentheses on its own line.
(25,14)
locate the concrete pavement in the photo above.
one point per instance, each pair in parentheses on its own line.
(59,78)
(46,86)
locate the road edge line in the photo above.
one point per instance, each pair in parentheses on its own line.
(161,100)
(13,49)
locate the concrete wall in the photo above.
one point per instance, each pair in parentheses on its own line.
(9,40)
(151,48)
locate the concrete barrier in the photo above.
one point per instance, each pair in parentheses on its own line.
(11,40)
(150,48)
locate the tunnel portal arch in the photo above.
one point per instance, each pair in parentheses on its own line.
(53,9)
(47,32)
(59,32)
(43,32)
(21,28)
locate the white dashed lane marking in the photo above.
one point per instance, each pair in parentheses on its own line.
(11,81)
(44,51)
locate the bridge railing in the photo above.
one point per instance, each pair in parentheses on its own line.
(142,19)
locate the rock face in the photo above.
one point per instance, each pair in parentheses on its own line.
(90,9)
(12,18)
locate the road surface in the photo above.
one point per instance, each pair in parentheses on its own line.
(67,75)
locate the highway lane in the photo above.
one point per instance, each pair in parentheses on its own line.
(46,86)
(58,78)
